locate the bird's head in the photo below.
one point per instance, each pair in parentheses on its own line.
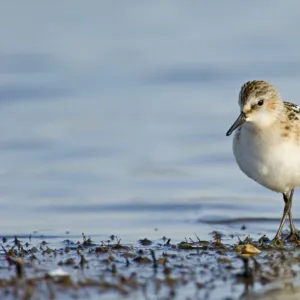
(259,103)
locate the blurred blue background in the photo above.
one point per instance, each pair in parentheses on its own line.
(113,114)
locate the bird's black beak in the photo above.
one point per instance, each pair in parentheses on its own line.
(239,121)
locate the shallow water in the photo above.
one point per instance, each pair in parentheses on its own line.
(113,120)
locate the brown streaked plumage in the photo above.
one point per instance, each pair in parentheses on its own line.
(256,88)
(292,110)
(289,123)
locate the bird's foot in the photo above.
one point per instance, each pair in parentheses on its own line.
(278,242)
(294,236)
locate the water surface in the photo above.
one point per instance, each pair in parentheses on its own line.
(113,117)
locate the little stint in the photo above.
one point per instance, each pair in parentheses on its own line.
(266,143)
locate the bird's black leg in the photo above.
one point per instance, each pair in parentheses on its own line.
(294,232)
(286,212)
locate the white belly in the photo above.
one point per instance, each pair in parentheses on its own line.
(272,162)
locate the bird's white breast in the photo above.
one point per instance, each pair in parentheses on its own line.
(267,158)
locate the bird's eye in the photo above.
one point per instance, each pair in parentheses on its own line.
(260,102)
